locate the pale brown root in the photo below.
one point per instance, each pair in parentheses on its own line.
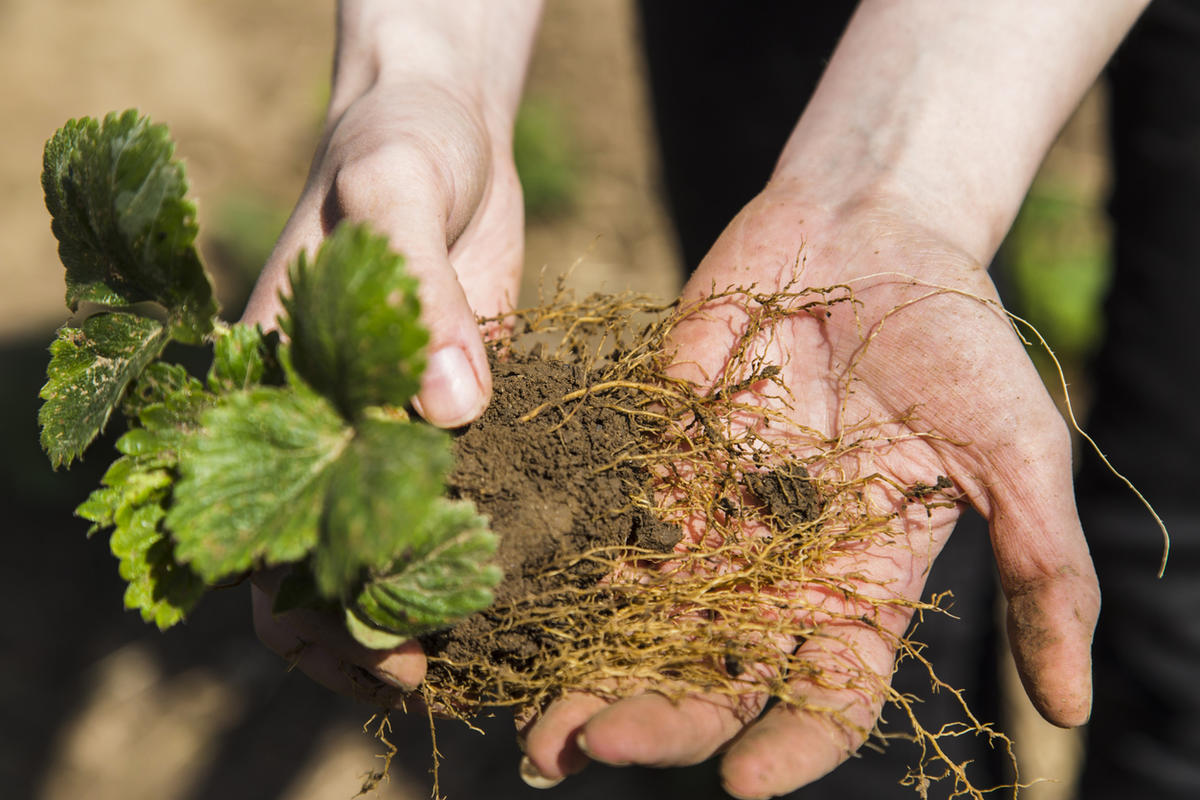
(724,614)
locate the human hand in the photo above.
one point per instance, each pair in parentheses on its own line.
(911,158)
(422,166)
(417,143)
(926,345)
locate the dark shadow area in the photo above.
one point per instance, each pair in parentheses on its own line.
(64,601)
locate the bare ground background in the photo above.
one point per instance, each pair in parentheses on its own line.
(95,704)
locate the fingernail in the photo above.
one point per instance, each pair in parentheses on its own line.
(531,776)
(581,743)
(392,680)
(450,392)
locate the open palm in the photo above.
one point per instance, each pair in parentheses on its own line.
(927,353)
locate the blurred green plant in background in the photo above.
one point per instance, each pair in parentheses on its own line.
(239,240)
(248,225)
(545,158)
(1059,261)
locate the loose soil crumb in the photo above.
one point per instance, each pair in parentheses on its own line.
(554,487)
(788,495)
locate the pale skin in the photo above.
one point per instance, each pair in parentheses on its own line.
(903,174)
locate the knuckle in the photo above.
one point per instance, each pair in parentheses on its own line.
(1043,430)
(1037,444)
(370,185)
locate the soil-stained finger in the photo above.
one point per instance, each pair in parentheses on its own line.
(1051,585)
(793,745)
(652,730)
(550,742)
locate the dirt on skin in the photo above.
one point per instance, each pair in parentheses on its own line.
(553,486)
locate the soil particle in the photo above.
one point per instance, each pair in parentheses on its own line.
(788,495)
(553,487)
(556,486)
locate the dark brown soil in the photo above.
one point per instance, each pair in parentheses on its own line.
(554,487)
(787,494)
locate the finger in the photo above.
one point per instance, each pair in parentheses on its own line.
(836,707)
(1047,575)
(550,742)
(652,730)
(404,202)
(337,662)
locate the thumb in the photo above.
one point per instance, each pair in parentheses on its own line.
(409,204)
(1047,575)
(456,385)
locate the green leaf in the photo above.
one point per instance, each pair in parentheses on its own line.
(146,471)
(370,635)
(253,480)
(125,229)
(90,367)
(381,493)
(100,507)
(161,588)
(446,579)
(136,489)
(157,382)
(128,486)
(177,413)
(353,323)
(243,357)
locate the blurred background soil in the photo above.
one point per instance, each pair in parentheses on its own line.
(97,705)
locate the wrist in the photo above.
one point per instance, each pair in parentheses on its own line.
(474,50)
(948,109)
(844,183)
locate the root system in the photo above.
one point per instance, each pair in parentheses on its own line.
(657,534)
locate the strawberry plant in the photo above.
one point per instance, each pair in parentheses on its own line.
(296,452)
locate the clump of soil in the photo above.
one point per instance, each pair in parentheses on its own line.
(615,491)
(658,533)
(788,495)
(554,487)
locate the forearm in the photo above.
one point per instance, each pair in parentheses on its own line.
(477,49)
(949,107)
